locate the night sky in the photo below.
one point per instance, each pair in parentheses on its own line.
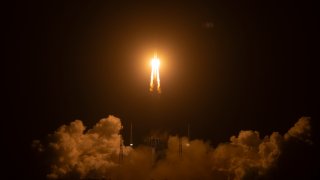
(225,67)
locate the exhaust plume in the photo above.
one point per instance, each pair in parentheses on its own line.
(155,65)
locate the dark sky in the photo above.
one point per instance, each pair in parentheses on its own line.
(226,66)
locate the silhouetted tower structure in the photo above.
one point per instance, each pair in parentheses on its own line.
(180,147)
(131,138)
(121,151)
(188,131)
(154,142)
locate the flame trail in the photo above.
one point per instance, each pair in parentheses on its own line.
(155,64)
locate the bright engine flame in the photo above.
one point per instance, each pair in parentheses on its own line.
(155,64)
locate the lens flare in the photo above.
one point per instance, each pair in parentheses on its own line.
(155,64)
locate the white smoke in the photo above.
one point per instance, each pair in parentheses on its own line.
(95,154)
(85,153)
(301,130)
(247,154)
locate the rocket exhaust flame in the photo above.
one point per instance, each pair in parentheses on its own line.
(155,64)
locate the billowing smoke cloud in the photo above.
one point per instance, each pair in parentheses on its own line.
(301,130)
(247,155)
(85,154)
(77,153)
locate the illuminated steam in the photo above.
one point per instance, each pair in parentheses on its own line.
(80,153)
(76,153)
(155,77)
